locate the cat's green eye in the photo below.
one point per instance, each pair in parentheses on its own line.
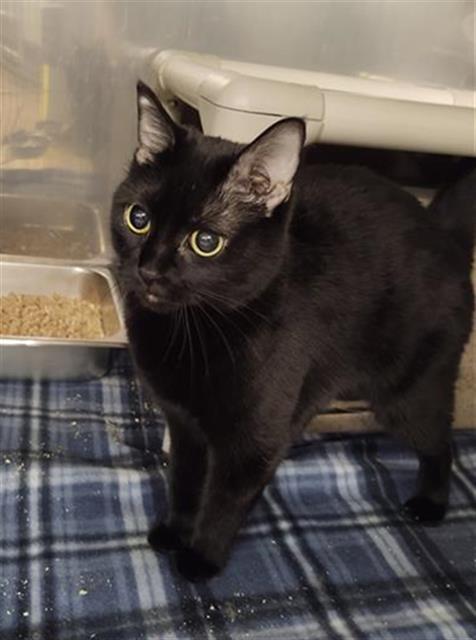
(206,243)
(136,219)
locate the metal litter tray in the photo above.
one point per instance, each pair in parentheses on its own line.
(61,358)
(50,229)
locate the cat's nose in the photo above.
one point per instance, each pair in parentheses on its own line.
(148,275)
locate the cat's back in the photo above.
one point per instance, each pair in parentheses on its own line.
(349,193)
(355,220)
(358,236)
(352,208)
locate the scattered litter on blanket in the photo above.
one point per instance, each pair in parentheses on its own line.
(230,611)
(82,572)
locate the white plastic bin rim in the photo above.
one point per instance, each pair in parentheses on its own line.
(237,99)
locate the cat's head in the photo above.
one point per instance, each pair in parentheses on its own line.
(200,219)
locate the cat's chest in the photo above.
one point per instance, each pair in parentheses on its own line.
(187,364)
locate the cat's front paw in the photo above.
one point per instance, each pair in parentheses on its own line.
(165,538)
(424,511)
(195,567)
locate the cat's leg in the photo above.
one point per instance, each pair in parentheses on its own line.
(421,416)
(235,479)
(430,502)
(187,471)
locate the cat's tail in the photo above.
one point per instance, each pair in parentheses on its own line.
(454,208)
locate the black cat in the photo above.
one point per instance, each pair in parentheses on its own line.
(257,289)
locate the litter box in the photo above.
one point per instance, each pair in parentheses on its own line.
(57,358)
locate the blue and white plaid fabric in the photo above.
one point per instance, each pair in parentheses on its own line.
(324,554)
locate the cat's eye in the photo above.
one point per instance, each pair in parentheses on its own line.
(136,219)
(206,243)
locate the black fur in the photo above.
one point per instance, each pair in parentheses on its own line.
(347,286)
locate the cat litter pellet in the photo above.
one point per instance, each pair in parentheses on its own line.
(52,316)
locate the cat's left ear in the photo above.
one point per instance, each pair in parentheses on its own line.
(155,128)
(265,169)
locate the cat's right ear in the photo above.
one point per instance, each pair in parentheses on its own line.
(155,128)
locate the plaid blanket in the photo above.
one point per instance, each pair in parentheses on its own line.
(324,553)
